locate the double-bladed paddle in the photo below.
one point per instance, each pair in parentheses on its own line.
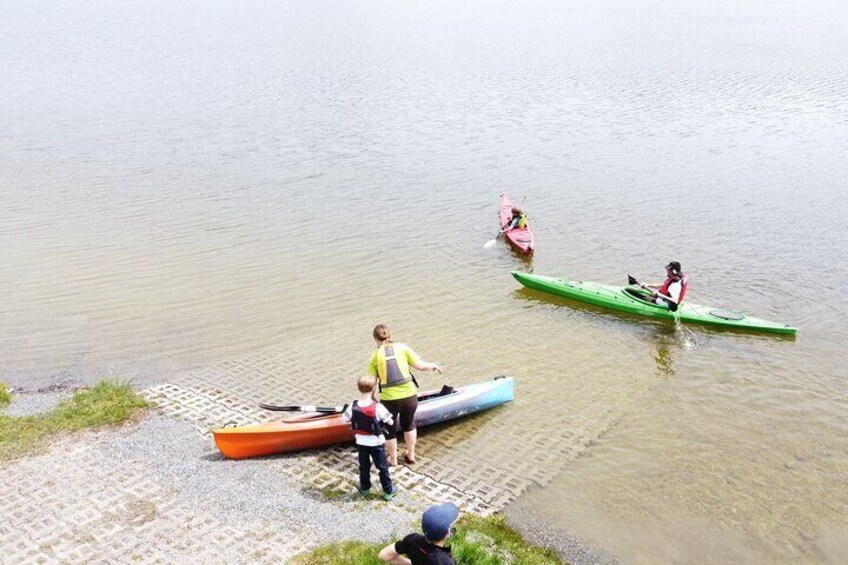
(672,305)
(491,242)
(305,408)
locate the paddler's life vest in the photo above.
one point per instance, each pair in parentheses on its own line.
(522,222)
(364,419)
(684,284)
(393,375)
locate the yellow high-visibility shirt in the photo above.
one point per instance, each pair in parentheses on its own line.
(405,358)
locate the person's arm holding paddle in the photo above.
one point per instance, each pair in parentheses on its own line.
(669,293)
(514,221)
(512,224)
(656,297)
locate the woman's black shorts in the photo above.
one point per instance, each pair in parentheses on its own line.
(403,411)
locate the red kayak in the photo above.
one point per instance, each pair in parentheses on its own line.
(520,238)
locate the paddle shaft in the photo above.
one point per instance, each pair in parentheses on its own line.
(503,230)
(319,409)
(304,408)
(671,301)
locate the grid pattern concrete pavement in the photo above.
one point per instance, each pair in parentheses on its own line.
(466,454)
(79,503)
(72,505)
(209,407)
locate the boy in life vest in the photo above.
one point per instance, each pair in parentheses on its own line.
(518,220)
(367,418)
(438,525)
(674,287)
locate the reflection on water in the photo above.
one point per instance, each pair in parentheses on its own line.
(196,182)
(685,336)
(664,358)
(670,343)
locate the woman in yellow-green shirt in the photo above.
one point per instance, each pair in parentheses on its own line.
(390,363)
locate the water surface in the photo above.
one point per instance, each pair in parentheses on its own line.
(186,184)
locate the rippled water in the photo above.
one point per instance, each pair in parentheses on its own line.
(185,184)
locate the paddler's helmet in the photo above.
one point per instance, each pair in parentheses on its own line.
(674,267)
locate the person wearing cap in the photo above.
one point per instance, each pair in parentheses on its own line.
(438,526)
(673,289)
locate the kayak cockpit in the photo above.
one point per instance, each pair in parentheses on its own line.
(641,295)
(447,390)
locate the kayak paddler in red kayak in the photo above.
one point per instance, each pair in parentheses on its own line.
(390,363)
(673,288)
(518,220)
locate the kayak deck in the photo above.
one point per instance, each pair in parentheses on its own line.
(312,430)
(629,299)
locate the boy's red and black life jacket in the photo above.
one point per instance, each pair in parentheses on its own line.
(684,284)
(364,420)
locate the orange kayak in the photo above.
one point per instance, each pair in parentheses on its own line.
(311,430)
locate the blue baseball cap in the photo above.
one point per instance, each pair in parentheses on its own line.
(438,519)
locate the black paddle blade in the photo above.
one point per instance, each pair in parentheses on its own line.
(671,306)
(296,408)
(279,408)
(631,280)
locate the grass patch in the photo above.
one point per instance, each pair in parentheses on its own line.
(332,492)
(5,395)
(478,541)
(342,553)
(108,403)
(490,541)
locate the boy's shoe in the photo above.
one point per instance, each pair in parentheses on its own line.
(364,492)
(387,496)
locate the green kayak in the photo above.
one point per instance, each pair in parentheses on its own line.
(632,299)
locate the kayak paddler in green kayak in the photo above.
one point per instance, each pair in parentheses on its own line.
(636,298)
(670,292)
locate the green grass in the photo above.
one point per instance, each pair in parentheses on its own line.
(108,403)
(333,492)
(342,553)
(478,541)
(5,395)
(490,541)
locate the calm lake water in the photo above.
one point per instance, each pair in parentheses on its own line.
(186,183)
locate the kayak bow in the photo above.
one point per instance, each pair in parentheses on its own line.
(521,239)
